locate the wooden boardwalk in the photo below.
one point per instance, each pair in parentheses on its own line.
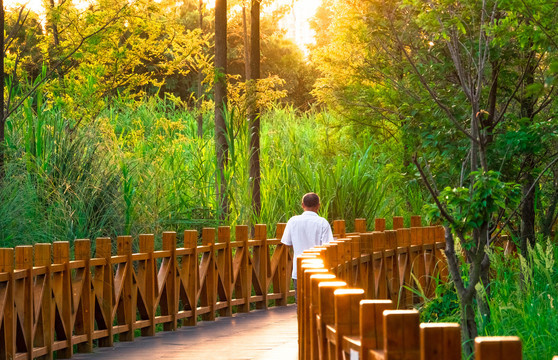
(259,335)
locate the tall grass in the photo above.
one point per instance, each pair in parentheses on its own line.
(59,185)
(140,167)
(301,154)
(19,209)
(524,300)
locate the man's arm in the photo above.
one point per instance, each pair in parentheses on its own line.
(286,238)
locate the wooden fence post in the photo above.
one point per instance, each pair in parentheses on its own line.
(429,249)
(169,244)
(43,294)
(208,260)
(440,246)
(24,295)
(379,224)
(61,282)
(355,263)
(440,341)
(146,272)
(347,313)
(404,256)
(224,267)
(7,316)
(371,326)
(190,265)
(125,313)
(84,320)
(417,258)
(360,225)
(344,260)
(397,222)
(498,348)
(330,257)
(261,256)
(245,271)
(315,281)
(284,275)
(327,313)
(307,267)
(416,221)
(378,268)
(305,299)
(402,336)
(103,289)
(299,297)
(339,228)
(347,260)
(391,266)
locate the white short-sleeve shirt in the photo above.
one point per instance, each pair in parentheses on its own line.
(304,232)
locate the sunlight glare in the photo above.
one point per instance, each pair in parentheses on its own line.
(296,23)
(34,5)
(37,5)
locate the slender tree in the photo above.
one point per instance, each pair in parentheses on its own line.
(246,43)
(2,112)
(200,78)
(254,116)
(221,146)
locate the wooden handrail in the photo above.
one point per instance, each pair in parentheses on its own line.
(62,303)
(54,304)
(371,272)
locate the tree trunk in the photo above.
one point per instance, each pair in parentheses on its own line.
(246,45)
(254,116)
(479,268)
(549,217)
(2,111)
(200,80)
(528,209)
(221,147)
(55,47)
(468,326)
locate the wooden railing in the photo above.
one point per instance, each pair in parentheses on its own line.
(52,304)
(348,291)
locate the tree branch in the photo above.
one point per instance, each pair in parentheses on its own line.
(431,91)
(55,68)
(525,197)
(434,194)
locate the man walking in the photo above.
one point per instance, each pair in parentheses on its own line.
(306,230)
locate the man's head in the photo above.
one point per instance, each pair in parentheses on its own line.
(311,202)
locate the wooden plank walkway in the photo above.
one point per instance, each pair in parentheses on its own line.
(259,335)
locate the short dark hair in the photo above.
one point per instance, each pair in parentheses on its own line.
(311,200)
